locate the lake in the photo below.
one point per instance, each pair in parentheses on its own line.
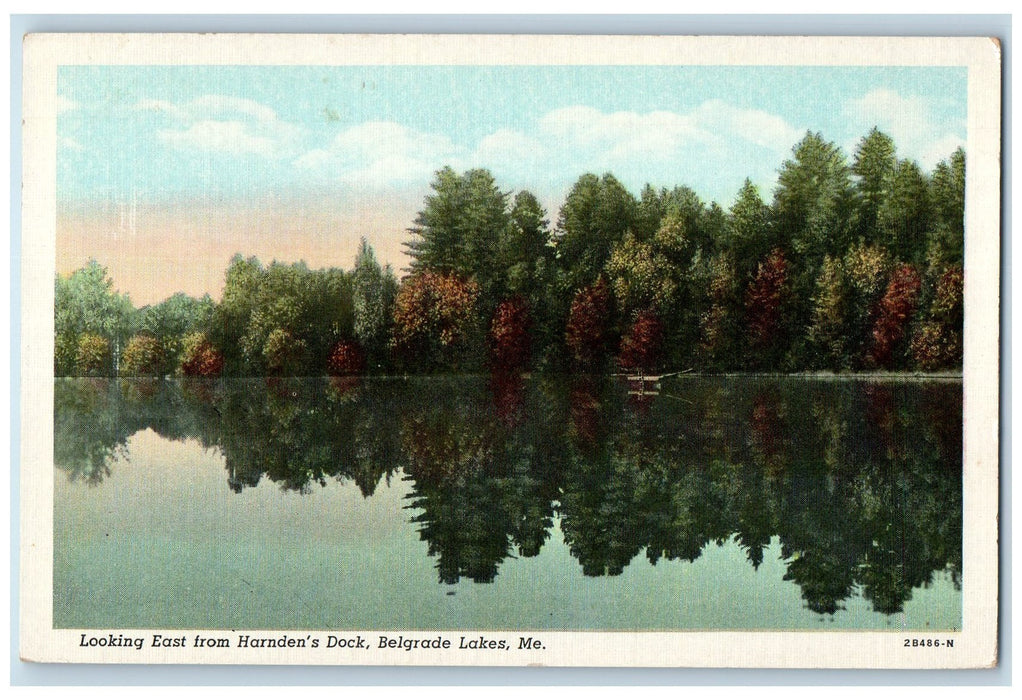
(503,503)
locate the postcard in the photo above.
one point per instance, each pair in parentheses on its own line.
(510,350)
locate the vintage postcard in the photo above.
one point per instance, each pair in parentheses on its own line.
(510,350)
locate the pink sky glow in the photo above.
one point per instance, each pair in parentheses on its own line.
(159,250)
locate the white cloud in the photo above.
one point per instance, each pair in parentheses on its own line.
(909,120)
(665,148)
(164,107)
(381,153)
(752,125)
(224,124)
(940,149)
(890,107)
(620,135)
(506,145)
(376,141)
(224,105)
(222,137)
(711,148)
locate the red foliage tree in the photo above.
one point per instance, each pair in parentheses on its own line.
(763,300)
(643,346)
(893,315)
(346,359)
(509,335)
(588,332)
(199,358)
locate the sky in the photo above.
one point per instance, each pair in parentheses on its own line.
(164,172)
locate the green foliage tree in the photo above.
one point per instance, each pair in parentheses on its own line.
(814,215)
(459,231)
(866,270)
(808,271)
(904,217)
(525,256)
(171,321)
(719,325)
(93,357)
(873,166)
(642,276)
(373,292)
(143,357)
(813,202)
(595,216)
(85,302)
(828,334)
(748,234)
(282,318)
(231,317)
(937,343)
(947,193)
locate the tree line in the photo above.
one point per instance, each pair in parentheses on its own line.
(854,265)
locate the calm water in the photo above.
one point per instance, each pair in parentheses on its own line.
(489,503)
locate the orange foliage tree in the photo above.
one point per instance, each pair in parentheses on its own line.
(434,317)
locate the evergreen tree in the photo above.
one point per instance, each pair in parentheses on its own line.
(748,232)
(874,169)
(813,211)
(947,192)
(459,231)
(813,202)
(373,292)
(594,217)
(904,216)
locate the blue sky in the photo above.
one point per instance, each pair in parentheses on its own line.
(238,131)
(300,162)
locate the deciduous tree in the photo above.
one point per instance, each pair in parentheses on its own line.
(764,299)
(93,357)
(642,347)
(895,311)
(434,321)
(588,335)
(142,357)
(346,358)
(937,343)
(510,347)
(199,358)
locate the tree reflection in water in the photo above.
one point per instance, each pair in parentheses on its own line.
(860,481)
